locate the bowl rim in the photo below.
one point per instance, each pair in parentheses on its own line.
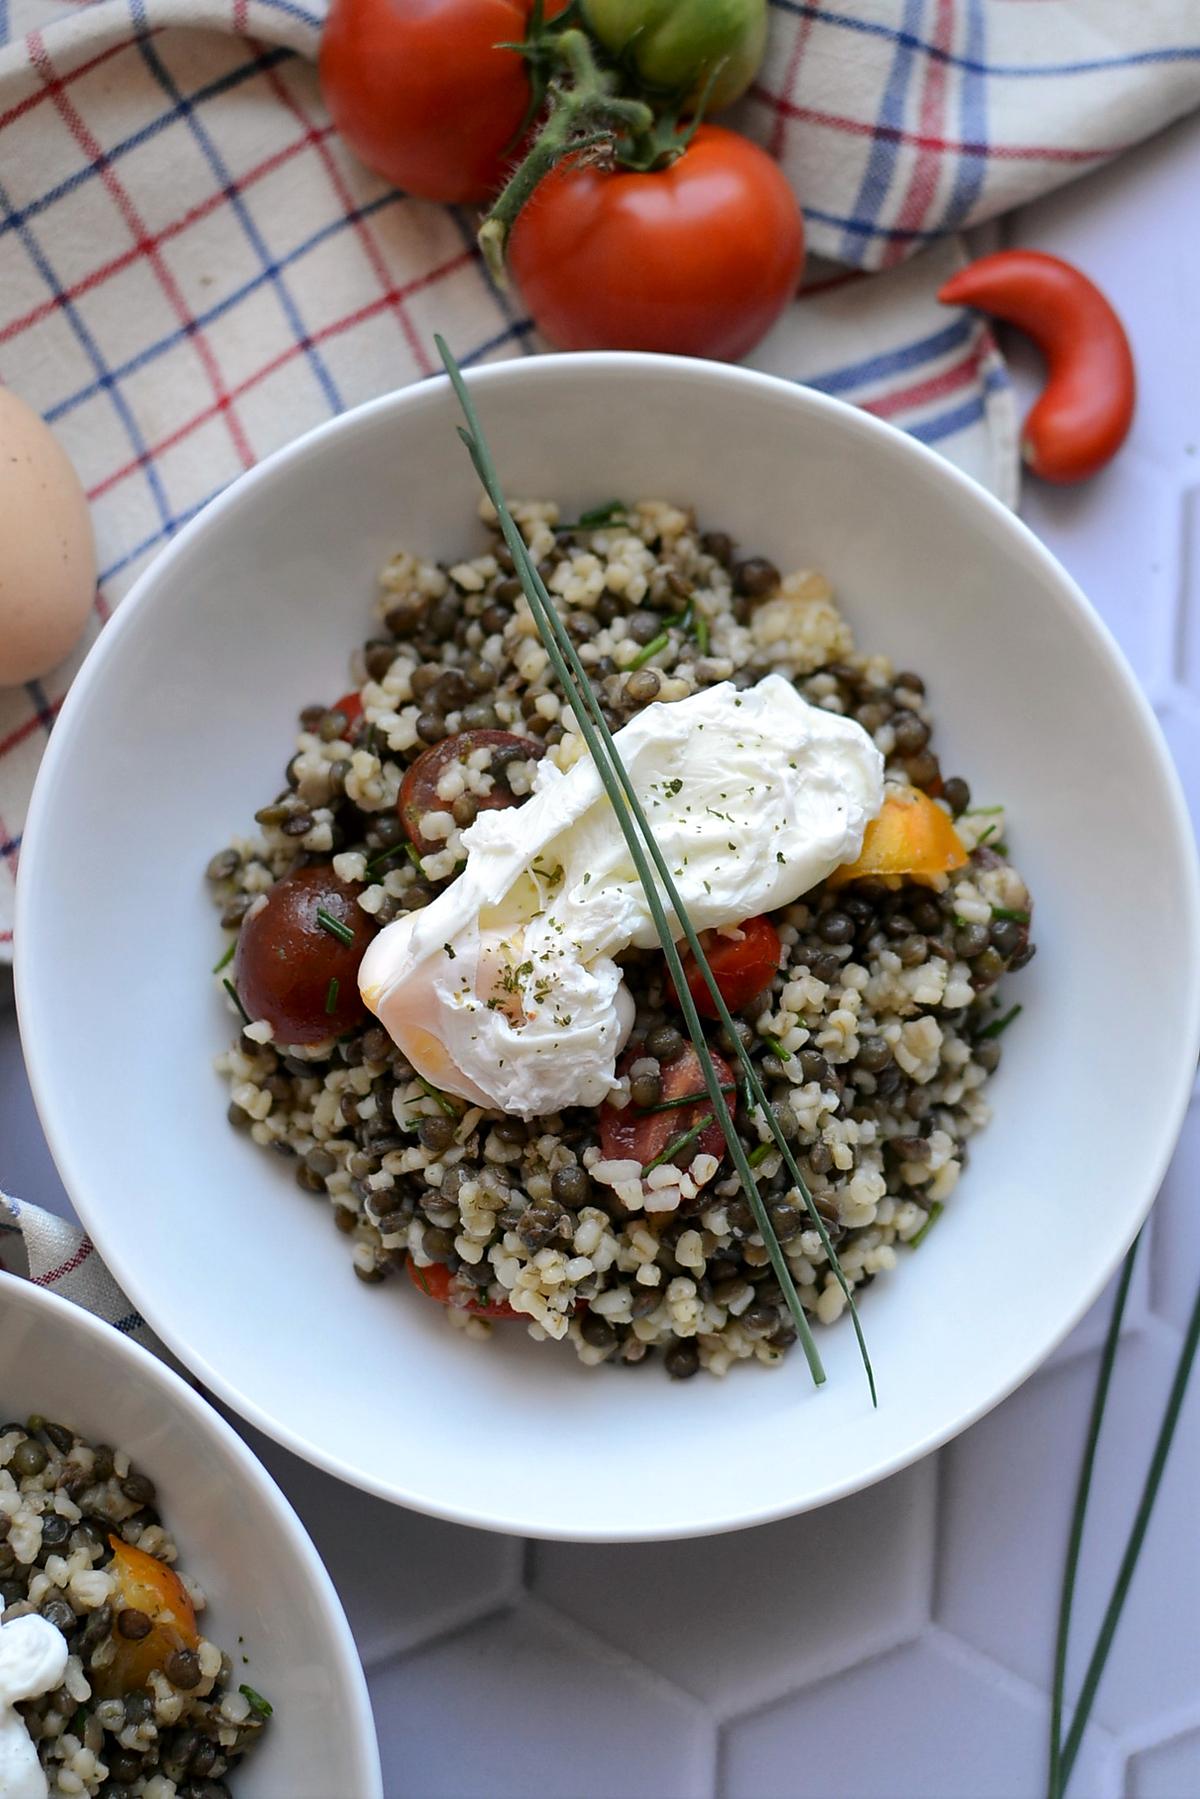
(533,370)
(73,1321)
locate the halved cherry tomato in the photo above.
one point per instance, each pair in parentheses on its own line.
(742,966)
(911,839)
(699,258)
(287,960)
(642,1136)
(351,707)
(145,1585)
(418,790)
(424,92)
(435,1280)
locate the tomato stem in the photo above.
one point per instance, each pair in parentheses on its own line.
(586,118)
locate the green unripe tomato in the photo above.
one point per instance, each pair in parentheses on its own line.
(674,45)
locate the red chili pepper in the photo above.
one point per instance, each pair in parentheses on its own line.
(351,706)
(1081,418)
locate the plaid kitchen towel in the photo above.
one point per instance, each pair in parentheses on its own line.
(56,1255)
(193,269)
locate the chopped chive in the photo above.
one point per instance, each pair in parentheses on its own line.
(982,811)
(760,1154)
(776,1048)
(1014,913)
(684,1140)
(414,856)
(1000,847)
(436,1093)
(685,1099)
(700,626)
(334,926)
(644,850)
(381,856)
(226,959)
(260,1706)
(935,1212)
(998,1024)
(652,648)
(236,997)
(596,516)
(984,835)
(331,996)
(422,1282)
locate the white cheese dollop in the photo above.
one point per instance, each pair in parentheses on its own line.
(505,990)
(33,1660)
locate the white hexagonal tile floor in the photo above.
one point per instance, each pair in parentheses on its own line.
(930,1721)
(899,1644)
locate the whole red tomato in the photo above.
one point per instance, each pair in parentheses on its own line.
(422,93)
(699,258)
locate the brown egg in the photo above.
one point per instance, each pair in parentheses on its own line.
(47,552)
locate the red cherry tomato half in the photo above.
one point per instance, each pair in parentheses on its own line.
(699,258)
(418,790)
(435,1280)
(288,962)
(351,707)
(742,966)
(422,91)
(642,1136)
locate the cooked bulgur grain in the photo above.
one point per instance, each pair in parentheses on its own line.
(874,1041)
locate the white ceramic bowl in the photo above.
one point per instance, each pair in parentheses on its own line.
(264,1582)
(181,722)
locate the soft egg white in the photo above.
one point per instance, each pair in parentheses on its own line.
(505,990)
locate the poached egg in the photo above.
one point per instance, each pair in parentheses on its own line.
(505,990)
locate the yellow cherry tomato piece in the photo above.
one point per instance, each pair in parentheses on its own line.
(147,1586)
(912,839)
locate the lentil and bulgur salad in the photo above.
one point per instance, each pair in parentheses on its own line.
(870,1004)
(147,1704)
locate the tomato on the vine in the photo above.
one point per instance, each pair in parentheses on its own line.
(701,49)
(699,258)
(423,91)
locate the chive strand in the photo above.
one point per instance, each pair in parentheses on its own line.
(1079,1512)
(614,777)
(1133,1546)
(684,1141)
(685,1099)
(651,649)
(227,958)
(236,997)
(931,1217)
(554,627)
(436,1094)
(334,926)
(998,1025)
